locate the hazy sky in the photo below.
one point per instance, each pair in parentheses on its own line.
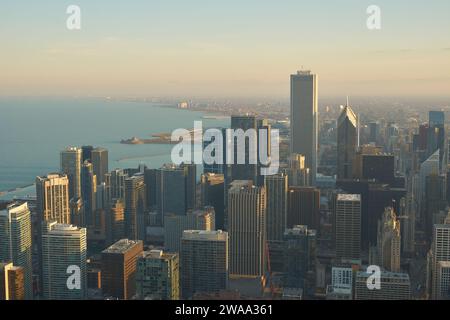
(223,48)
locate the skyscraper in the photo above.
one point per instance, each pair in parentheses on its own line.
(99,159)
(212,194)
(247,228)
(299,174)
(389,241)
(436,134)
(52,195)
(348,226)
(16,241)
(304,118)
(88,192)
(303,207)
(204,262)
(71,166)
(115,185)
(135,207)
(64,252)
(347,136)
(171,190)
(276,213)
(158,276)
(119,263)
(12,281)
(440,251)
(175,225)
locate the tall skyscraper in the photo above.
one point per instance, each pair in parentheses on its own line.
(304,118)
(116,220)
(348,226)
(303,207)
(347,139)
(247,170)
(135,207)
(71,166)
(299,257)
(12,281)
(175,225)
(389,241)
(88,192)
(204,262)
(247,228)
(299,174)
(64,252)
(276,213)
(158,276)
(440,251)
(115,185)
(119,263)
(191,185)
(86,153)
(436,134)
(212,194)
(52,195)
(99,159)
(16,241)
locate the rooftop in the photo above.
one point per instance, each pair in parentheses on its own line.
(121,246)
(218,235)
(348,197)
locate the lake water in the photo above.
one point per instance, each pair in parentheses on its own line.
(34,131)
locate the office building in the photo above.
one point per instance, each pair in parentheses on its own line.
(347,140)
(158,276)
(52,196)
(393,286)
(16,241)
(135,207)
(440,251)
(276,212)
(64,254)
(12,282)
(71,166)
(119,263)
(99,159)
(348,226)
(298,173)
(303,207)
(175,225)
(115,185)
(88,192)
(204,262)
(212,194)
(247,228)
(304,118)
(389,241)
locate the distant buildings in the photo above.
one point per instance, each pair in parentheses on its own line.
(119,263)
(158,276)
(304,118)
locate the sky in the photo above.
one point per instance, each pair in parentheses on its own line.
(232,48)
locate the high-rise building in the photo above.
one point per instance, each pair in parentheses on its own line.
(303,207)
(443,280)
(52,196)
(115,185)
(99,159)
(158,276)
(86,153)
(64,253)
(212,194)
(247,170)
(135,207)
(175,225)
(171,190)
(299,174)
(150,184)
(393,286)
(408,224)
(304,118)
(119,263)
(204,262)
(12,282)
(191,185)
(71,166)
(116,220)
(440,251)
(88,192)
(247,228)
(389,241)
(347,218)
(276,212)
(16,241)
(299,244)
(436,134)
(76,207)
(347,140)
